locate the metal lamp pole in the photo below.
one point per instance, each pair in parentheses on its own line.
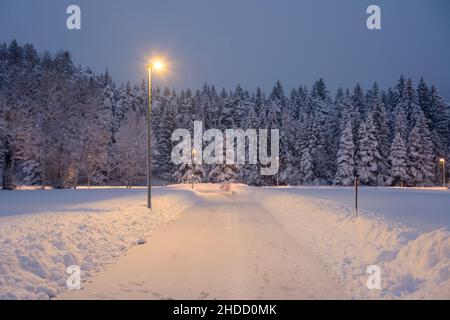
(149,139)
(155,65)
(193,164)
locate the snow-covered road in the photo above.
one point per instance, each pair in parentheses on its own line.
(227,246)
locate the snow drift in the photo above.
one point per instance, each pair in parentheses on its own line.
(35,249)
(414,264)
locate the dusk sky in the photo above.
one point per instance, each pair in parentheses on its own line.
(250,42)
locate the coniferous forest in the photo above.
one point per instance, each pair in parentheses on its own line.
(62,125)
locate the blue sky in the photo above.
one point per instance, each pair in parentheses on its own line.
(250,42)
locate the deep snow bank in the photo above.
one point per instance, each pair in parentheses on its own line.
(35,249)
(413,264)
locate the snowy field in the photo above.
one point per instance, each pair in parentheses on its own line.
(414,261)
(426,209)
(243,243)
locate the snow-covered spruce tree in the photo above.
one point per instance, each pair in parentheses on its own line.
(289,172)
(398,174)
(276,104)
(109,102)
(205,106)
(254,119)
(389,100)
(260,110)
(360,110)
(241,106)
(420,153)
(165,124)
(323,121)
(188,173)
(408,102)
(225,173)
(440,123)
(108,97)
(400,122)
(306,169)
(382,132)
(344,110)
(423,95)
(123,103)
(368,155)
(345,162)
(309,139)
(400,89)
(307,144)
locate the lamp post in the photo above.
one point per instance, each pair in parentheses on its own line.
(155,65)
(193,164)
(442,160)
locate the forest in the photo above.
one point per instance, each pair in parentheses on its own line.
(62,126)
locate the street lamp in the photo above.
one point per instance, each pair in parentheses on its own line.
(442,160)
(193,156)
(155,65)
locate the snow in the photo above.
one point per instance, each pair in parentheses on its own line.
(414,264)
(426,209)
(226,246)
(43,232)
(225,242)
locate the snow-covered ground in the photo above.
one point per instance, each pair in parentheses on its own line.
(426,209)
(247,242)
(43,232)
(414,261)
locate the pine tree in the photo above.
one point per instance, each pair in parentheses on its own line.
(165,124)
(440,123)
(345,162)
(323,122)
(420,153)
(306,168)
(397,162)
(368,155)
(424,100)
(225,173)
(360,107)
(382,132)
(189,173)
(408,103)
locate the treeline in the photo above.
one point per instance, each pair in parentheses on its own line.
(62,126)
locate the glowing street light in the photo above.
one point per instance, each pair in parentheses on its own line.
(442,160)
(158,65)
(154,65)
